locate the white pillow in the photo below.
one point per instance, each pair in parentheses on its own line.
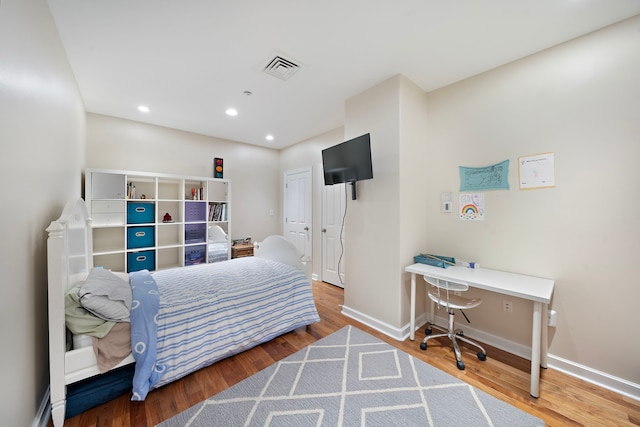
(81,277)
(106,295)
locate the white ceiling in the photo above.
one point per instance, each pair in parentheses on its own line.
(188,60)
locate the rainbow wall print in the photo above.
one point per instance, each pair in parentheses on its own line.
(471,206)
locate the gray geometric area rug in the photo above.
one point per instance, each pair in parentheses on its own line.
(351,378)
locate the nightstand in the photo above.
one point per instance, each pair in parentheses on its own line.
(239,251)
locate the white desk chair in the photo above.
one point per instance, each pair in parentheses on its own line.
(442,292)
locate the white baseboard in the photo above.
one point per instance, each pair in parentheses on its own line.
(493,340)
(585,373)
(44,412)
(599,378)
(383,327)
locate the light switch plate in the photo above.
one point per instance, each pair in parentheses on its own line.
(447,205)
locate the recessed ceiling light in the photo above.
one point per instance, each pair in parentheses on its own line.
(231,112)
(143,108)
(269,137)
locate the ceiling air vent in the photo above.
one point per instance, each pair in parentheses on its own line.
(281,68)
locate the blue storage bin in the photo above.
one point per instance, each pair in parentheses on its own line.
(140,212)
(140,237)
(141,260)
(435,260)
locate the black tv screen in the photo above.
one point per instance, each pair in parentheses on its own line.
(349,161)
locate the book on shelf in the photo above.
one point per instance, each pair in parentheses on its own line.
(196,194)
(217,211)
(131,191)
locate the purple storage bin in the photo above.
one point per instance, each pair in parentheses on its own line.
(195,211)
(194,254)
(195,233)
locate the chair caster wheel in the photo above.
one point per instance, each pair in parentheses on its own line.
(460,333)
(423,346)
(460,365)
(428,331)
(482,356)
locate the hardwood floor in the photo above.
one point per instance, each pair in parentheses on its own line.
(563,401)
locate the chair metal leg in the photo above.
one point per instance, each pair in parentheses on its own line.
(454,335)
(473,343)
(456,350)
(435,336)
(431,326)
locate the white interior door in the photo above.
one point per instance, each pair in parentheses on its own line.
(297,210)
(333,237)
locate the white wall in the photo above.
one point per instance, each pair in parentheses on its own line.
(114,143)
(372,222)
(414,227)
(581,101)
(42,127)
(386,226)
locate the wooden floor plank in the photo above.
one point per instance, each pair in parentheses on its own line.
(563,401)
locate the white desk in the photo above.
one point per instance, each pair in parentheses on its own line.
(535,289)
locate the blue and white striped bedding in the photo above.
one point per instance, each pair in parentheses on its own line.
(217,252)
(212,311)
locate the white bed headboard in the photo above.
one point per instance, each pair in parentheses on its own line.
(277,248)
(69,258)
(69,246)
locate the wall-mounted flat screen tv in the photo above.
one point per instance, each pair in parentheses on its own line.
(349,162)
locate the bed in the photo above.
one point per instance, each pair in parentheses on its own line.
(178,321)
